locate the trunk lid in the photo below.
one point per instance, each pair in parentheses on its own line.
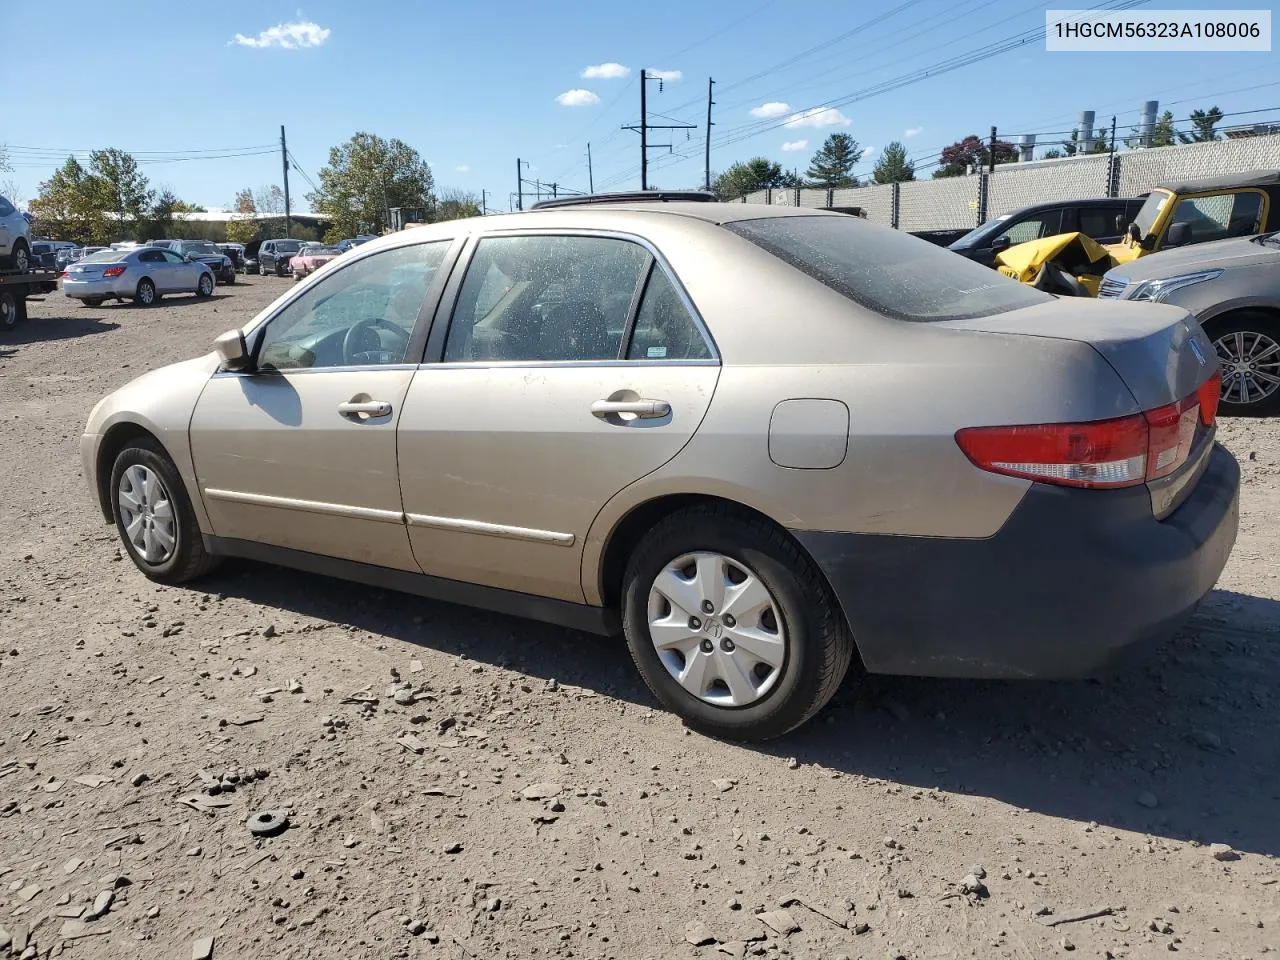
(1158,350)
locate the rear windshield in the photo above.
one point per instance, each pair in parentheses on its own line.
(889,272)
(105,256)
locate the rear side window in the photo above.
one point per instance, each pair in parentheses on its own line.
(664,329)
(892,273)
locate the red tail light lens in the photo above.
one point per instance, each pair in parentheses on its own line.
(113,271)
(66,274)
(1123,452)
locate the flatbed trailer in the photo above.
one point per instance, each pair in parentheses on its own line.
(17,288)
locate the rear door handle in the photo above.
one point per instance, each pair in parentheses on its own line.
(368,408)
(642,409)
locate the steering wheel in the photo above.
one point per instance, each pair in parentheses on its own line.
(363,344)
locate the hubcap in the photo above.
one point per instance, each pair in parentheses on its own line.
(147,293)
(717,629)
(147,513)
(1250,366)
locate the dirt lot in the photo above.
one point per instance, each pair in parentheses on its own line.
(641,840)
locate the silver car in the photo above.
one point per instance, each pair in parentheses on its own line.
(141,274)
(1233,288)
(758,441)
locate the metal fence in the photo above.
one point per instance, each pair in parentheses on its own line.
(964,202)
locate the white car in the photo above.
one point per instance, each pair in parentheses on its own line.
(15,238)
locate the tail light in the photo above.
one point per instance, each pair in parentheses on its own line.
(113,271)
(1123,452)
(66,274)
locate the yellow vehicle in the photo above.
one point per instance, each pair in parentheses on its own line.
(1174,215)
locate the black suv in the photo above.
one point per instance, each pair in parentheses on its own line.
(274,256)
(1104,220)
(203,251)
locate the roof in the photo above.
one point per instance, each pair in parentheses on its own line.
(712,212)
(1253,178)
(650,196)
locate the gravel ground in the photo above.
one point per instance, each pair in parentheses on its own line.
(524,798)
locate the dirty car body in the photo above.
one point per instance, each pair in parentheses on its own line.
(672,417)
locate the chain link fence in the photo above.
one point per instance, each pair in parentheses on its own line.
(964,202)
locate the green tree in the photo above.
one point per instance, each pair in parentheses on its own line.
(965,155)
(1053,154)
(242,230)
(268,201)
(1101,143)
(365,177)
(120,188)
(165,205)
(455,205)
(243,202)
(758,173)
(832,165)
(893,165)
(1162,134)
(1203,123)
(68,206)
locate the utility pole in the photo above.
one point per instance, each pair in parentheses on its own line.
(483,205)
(991,158)
(553,190)
(1112,185)
(706,166)
(645,126)
(519,184)
(591,180)
(284,164)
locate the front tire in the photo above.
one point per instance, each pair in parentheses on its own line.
(153,515)
(731,625)
(10,310)
(20,256)
(204,287)
(146,294)
(1248,347)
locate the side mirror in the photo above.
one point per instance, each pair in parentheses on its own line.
(1178,235)
(1122,224)
(232,351)
(1001,243)
(1135,234)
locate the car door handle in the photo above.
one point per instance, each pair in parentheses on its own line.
(368,408)
(642,409)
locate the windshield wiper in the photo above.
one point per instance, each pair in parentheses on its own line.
(1272,238)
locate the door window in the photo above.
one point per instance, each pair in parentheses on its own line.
(360,315)
(551,298)
(1033,228)
(1100,221)
(6,208)
(664,328)
(151,256)
(1219,216)
(170,257)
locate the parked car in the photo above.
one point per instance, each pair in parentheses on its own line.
(352,242)
(311,258)
(205,252)
(235,251)
(1104,220)
(142,275)
(15,238)
(44,255)
(251,256)
(1233,288)
(274,256)
(1173,215)
(669,419)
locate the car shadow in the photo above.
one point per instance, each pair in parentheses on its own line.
(35,330)
(172,301)
(1193,726)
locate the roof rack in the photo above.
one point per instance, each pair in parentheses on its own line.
(630,196)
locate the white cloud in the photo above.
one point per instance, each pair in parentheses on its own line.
(606,71)
(912,132)
(666,74)
(773,108)
(791,146)
(866,152)
(462,168)
(286,36)
(818,117)
(577,98)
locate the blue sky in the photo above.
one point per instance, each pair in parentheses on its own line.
(474,85)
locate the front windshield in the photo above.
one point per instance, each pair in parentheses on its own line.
(288,246)
(198,249)
(1150,212)
(975,236)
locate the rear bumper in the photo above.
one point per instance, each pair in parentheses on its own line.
(1072,582)
(121,286)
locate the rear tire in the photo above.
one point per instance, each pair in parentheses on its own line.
(93,301)
(186,558)
(802,620)
(145,295)
(1248,347)
(204,286)
(10,310)
(20,256)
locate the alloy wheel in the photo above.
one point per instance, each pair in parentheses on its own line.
(146,512)
(717,629)
(1250,366)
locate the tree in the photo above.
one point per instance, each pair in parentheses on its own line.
(1101,143)
(364,178)
(893,165)
(243,202)
(964,156)
(1053,154)
(1203,123)
(242,230)
(269,202)
(455,204)
(8,186)
(162,210)
(68,206)
(1162,134)
(832,165)
(119,187)
(758,173)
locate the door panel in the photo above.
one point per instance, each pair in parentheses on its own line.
(278,463)
(504,467)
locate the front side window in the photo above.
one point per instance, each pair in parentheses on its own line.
(363,314)
(6,208)
(148,256)
(1219,216)
(1033,228)
(171,257)
(549,298)
(892,273)
(1100,221)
